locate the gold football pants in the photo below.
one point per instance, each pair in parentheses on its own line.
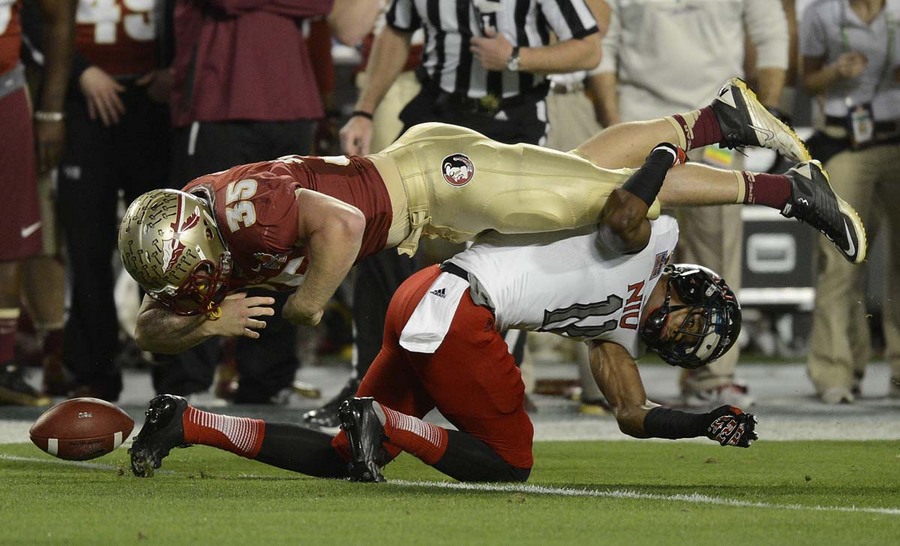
(451,182)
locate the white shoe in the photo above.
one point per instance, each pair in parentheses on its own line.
(837,395)
(728,394)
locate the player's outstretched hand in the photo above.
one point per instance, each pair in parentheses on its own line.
(730,426)
(241,314)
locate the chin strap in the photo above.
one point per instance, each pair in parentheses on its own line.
(215,313)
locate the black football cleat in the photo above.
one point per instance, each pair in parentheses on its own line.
(744,121)
(365,434)
(326,418)
(163,429)
(814,202)
(15,391)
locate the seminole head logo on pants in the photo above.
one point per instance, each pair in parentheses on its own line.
(457,169)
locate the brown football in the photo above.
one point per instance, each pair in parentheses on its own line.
(81,428)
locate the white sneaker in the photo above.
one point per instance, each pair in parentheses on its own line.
(728,394)
(837,395)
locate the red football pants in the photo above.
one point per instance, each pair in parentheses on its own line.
(471,379)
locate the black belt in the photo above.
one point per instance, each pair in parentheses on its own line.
(453,269)
(488,104)
(881,127)
(566,88)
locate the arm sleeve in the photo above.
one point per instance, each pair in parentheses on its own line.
(569,19)
(812,33)
(612,40)
(402,15)
(767,27)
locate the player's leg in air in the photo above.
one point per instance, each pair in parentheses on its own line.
(484,184)
(735,119)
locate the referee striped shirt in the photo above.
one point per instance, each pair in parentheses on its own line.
(450,24)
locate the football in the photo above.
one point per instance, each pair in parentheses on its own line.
(81,428)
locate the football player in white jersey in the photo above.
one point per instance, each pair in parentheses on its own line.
(612,287)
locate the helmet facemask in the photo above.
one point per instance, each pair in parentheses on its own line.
(202,290)
(710,327)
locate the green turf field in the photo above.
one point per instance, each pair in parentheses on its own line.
(636,493)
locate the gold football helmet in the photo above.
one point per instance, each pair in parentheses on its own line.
(171,246)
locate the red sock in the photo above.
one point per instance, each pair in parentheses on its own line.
(240,435)
(771,190)
(426,441)
(701,130)
(9,320)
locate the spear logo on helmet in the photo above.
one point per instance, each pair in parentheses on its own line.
(173,248)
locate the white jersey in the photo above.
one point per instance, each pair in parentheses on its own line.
(571,286)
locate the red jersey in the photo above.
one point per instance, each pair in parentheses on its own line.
(244,60)
(255,207)
(118,36)
(10,35)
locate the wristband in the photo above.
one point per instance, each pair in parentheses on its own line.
(663,422)
(361,114)
(41,115)
(646,182)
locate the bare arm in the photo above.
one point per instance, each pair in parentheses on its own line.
(623,222)
(58,46)
(768,29)
(351,20)
(617,375)
(603,85)
(818,77)
(332,232)
(771,85)
(161,331)
(494,50)
(389,53)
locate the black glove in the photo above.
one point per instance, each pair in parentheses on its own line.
(730,426)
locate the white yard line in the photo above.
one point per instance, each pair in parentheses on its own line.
(530,489)
(695,498)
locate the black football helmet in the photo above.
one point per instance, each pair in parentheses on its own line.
(710,327)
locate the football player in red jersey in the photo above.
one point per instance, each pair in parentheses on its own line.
(300,223)
(20,221)
(443,350)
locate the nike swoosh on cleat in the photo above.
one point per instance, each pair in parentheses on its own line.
(768,133)
(851,248)
(29,231)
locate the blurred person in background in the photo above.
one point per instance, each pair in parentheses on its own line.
(695,44)
(851,64)
(40,334)
(118,138)
(20,217)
